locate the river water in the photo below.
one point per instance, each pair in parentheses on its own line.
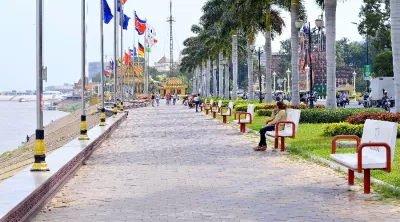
(18,120)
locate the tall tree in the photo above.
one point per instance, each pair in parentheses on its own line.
(330,11)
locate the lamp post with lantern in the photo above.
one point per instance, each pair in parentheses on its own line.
(258,53)
(354,85)
(319,24)
(288,79)
(284,85)
(274,75)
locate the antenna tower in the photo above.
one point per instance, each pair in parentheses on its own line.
(171,20)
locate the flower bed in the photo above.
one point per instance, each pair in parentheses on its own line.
(384,116)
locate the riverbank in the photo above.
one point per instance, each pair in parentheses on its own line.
(57,134)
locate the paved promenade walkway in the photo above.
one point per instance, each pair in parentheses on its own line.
(169,163)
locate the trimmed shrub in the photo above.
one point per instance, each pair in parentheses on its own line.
(264,112)
(336,129)
(332,116)
(243,107)
(299,106)
(384,116)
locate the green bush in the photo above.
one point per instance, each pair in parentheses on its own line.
(332,116)
(335,129)
(264,112)
(243,107)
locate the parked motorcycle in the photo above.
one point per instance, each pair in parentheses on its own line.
(341,103)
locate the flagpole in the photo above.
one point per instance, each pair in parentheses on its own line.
(103,111)
(146,84)
(133,63)
(115,52)
(122,45)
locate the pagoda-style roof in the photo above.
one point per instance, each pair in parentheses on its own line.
(173,83)
(163,60)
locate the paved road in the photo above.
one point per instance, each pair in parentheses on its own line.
(171,164)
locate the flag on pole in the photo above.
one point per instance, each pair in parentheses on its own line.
(119,62)
(111,65)
(140,25)
(127,59)
(133,51)
(140,49)
(125,22)
(124,1)
(107,74)
(107,12)
(150,36)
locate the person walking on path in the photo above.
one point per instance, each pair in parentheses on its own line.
(196,101)
(168,98)
(278,114)
(158,99)
(152,99)
(174,99)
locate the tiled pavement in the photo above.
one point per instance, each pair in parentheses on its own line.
(169,163)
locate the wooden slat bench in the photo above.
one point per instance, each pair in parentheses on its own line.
(214,110)
(207,107)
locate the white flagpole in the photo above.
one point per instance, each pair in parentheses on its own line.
(133,62)
(146,83)
(115,51)
(122,45)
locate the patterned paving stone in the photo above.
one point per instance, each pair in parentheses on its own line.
(169,163)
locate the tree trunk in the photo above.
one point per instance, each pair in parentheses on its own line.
(226,80)
(208,69)
(198,79)
(203,79)
(295,52)
(250,87)
(220,75)
(268,57)
(215,78)
(395,22)
(194,82)
(235,66)
(330,12)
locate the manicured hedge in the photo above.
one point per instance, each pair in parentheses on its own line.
(264,112)
(299,106)
(332,116)
(384,116)
(335,129)
(243,107)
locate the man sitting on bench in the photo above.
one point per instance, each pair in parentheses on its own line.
(278,114)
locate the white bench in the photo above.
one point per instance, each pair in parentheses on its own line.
(215,111)
(376,150)
(227,113)
(291,125)
(248,117)
(203,105)
(207,107)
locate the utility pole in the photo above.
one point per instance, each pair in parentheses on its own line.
(83,133)
(171,20)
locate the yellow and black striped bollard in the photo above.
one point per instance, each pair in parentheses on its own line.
(115,110)
(83,135)
(103,117)
(121,107)
(39,153)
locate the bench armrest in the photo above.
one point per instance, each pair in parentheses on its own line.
(236,114)
(227,108)
(344,137)
(285,122)
(245,113)
(388,155)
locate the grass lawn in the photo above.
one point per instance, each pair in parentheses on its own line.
(309,139)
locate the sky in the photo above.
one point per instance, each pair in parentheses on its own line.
(62,35)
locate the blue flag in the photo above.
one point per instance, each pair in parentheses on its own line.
(133,51)
(125,22)
(118,5)
(107,12)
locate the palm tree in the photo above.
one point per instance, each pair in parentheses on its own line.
(330,13)
(395,22)
(220,75)
(295,14)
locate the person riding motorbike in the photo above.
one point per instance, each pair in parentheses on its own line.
(385,102)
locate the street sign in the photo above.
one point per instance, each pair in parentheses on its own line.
(367,72)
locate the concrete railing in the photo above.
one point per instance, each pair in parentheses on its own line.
(26,193)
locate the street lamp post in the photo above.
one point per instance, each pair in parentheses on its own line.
(284,85)
(288,79)
(354,85)
(259,52)
(307,69)
(39,144)
(274,75)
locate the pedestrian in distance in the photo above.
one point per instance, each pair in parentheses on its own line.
(174,99)
(196,102)
(152,99)
(158,99)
